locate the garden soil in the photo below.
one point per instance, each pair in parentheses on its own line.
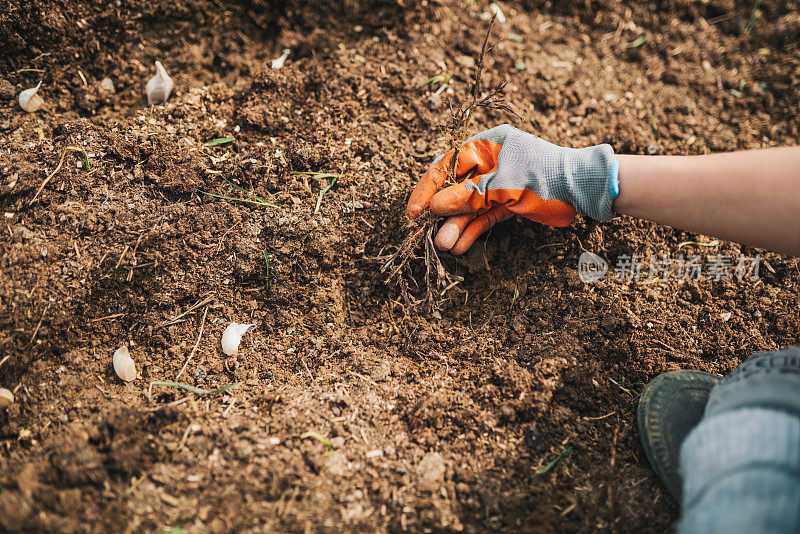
(506,404)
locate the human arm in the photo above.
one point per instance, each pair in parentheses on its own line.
(750,197)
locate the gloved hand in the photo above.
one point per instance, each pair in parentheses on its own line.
(515,173)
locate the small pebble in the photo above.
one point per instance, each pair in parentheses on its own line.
(200,373)
(431,469)
(336,463)
(107,86)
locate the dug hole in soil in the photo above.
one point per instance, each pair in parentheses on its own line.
(511,408)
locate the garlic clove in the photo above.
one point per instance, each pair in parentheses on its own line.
(107,86)
(6,398)
(278,63)
(29,100)
(232,336)
(123,364)
(160,86)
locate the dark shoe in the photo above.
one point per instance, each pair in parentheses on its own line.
(671,405)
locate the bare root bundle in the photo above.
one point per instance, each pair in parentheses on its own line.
(420,232)
(415,230)
(438,281)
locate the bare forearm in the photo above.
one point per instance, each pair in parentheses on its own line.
(750,197)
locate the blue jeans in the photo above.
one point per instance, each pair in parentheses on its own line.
(741,464)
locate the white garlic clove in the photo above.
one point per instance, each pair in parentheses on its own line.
(232,336)
(107,86)
(495,8)
(278,63)
(6,398)
(29,100)
(160,86)
(123,364)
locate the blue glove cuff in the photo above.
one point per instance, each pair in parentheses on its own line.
(613,182)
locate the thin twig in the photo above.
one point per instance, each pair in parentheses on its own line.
(462,118)
(229,408)
(58,168)
(598,418)
(107,317)
(369,380)
(202,323)
(189,429)
(119,261)
(193,307)
(302,359)
(39,325)
(133,258)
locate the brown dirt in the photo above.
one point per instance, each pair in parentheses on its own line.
(438,424)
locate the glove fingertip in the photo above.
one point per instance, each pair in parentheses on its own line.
(452,201)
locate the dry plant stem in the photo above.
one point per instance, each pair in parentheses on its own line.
(58,168)
(461,119)
(194,349)
(303,359)
(193,307)
(39,325)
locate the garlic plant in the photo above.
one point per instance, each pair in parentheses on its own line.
(123,364)
(278,63)
(6,398)
(232,336)
(29,100)
(160,86)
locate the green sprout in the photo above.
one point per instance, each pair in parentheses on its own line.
(546,469)
(319,438)
(258,200)
(639,41)
(319,176)
(219,141)
(752,20)
(629,390)
(739,91)
(439,78)
(85,157)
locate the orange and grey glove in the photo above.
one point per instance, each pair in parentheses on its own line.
(504,172)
